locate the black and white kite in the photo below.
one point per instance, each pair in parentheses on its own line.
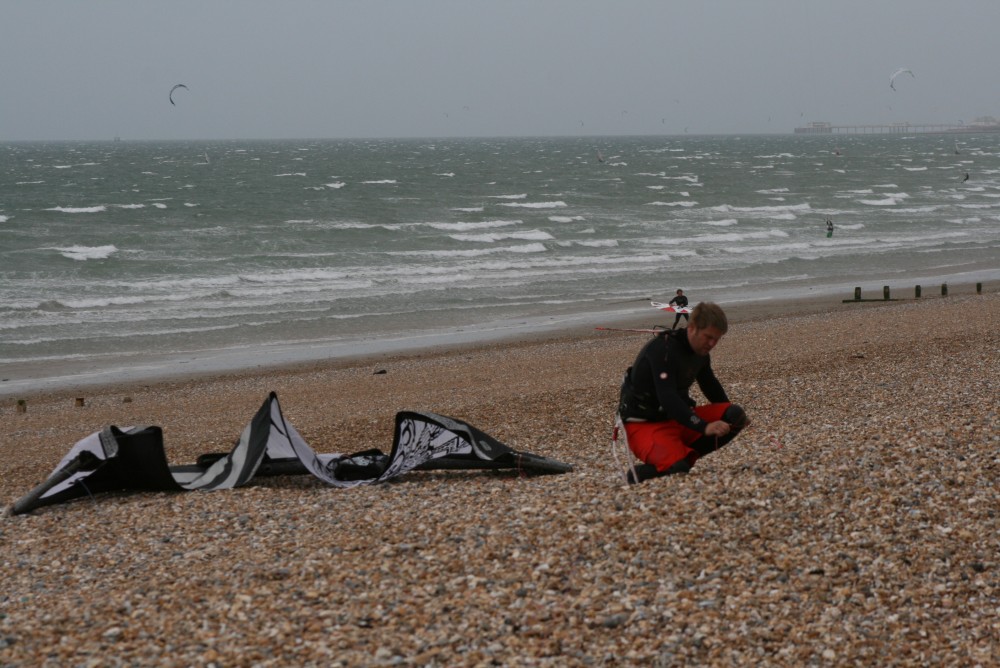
(901,70)
(134,459)
(171,95)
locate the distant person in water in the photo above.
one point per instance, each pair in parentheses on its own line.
(680,301)
(829,228)
(966,177)
(664,426)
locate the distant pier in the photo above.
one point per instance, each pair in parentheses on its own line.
(823,128)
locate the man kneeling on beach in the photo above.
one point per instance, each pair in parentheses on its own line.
(665,428)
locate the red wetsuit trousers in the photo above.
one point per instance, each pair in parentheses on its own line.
(663,444)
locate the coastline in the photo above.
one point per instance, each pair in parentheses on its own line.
(852,523)
(21,380)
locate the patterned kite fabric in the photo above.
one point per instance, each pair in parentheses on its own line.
(670,308)
(134,459)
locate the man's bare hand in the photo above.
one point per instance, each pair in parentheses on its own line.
(717,428)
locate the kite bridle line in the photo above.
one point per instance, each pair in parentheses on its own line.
(618,430)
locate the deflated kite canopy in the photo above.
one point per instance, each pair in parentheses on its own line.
(134,459)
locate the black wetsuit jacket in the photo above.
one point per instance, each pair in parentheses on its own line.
(656,386)
(679,300)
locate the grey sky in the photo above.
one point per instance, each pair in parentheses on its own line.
(436,68)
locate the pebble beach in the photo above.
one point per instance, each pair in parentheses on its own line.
(856,522)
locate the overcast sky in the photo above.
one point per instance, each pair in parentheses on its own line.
(71,69)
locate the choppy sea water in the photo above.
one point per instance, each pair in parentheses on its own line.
(111,252)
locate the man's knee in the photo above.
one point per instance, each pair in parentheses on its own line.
(736,417)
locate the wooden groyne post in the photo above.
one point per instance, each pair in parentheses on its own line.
(916,294)
(857,296)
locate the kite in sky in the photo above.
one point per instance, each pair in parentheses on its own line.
(901,70)
(171,96)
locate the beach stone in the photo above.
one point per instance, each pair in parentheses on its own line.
(871,533)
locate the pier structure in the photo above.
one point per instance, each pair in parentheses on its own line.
(981,124)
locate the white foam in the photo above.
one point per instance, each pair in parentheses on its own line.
(537,247)
(536,205)
(521,196)
(294,276)
(597,243)
(727,208)
(82,253)
(354,225)
(888,201)
(725,222)
(683,203)
(469,209)
(527,235)
(4,219)
(920,209)
(741,236)
(335,185)
(461,227)
(131,206)
(99,302)
(82,209)
(778,247)
(381,182)
(565,219)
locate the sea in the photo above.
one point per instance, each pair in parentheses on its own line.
(128,258)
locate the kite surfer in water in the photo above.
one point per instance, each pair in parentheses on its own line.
(829,228)
(664,426)
(966,177)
